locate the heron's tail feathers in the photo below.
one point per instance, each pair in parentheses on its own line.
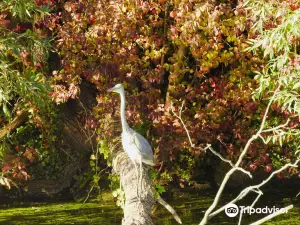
(169,208)
(148,162)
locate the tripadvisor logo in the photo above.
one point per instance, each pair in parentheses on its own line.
(265,210)
(231,210)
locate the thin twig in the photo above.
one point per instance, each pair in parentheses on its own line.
(88,195)
(262,138)
(267,110)
(91,189)
(241,157)
(277,213)
(183,124)
(260,193)
(208,214)
(89,139)
(244,192)
(229,162)
(276,128)
(221,157)
(71,157)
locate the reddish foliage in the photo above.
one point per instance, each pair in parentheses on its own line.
(165,53)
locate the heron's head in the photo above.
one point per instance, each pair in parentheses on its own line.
(118,88)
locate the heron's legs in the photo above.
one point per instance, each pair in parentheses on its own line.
(141,175)
(137,176)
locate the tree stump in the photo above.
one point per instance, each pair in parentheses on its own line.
(136,211)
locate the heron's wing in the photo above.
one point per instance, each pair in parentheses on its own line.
(144,148)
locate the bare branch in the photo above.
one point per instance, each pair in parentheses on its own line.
(208,146)
(262,138)
(260,193)
(220,156)
(276,128)
(183,124)
(229,162)
(277,213)
(241,157)
(254,187)
(267,110)
(180,111)
(243,153)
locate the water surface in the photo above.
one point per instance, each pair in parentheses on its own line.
(190,207)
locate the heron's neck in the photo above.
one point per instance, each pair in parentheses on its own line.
(122,112)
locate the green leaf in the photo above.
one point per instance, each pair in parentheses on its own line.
(296,86)
(28,13)
(160,189)
(6,111)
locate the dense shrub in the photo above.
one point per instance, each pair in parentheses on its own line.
(213,55)
(24,93)
(168,53)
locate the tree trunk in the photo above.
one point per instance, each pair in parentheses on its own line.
(137,212)
(77,143)
(137,209)
(14,124)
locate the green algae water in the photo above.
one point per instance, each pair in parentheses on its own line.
(60,213)
(190,207)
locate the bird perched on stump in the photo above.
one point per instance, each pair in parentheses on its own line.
(134,144)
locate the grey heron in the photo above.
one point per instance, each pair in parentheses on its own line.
(134,144)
